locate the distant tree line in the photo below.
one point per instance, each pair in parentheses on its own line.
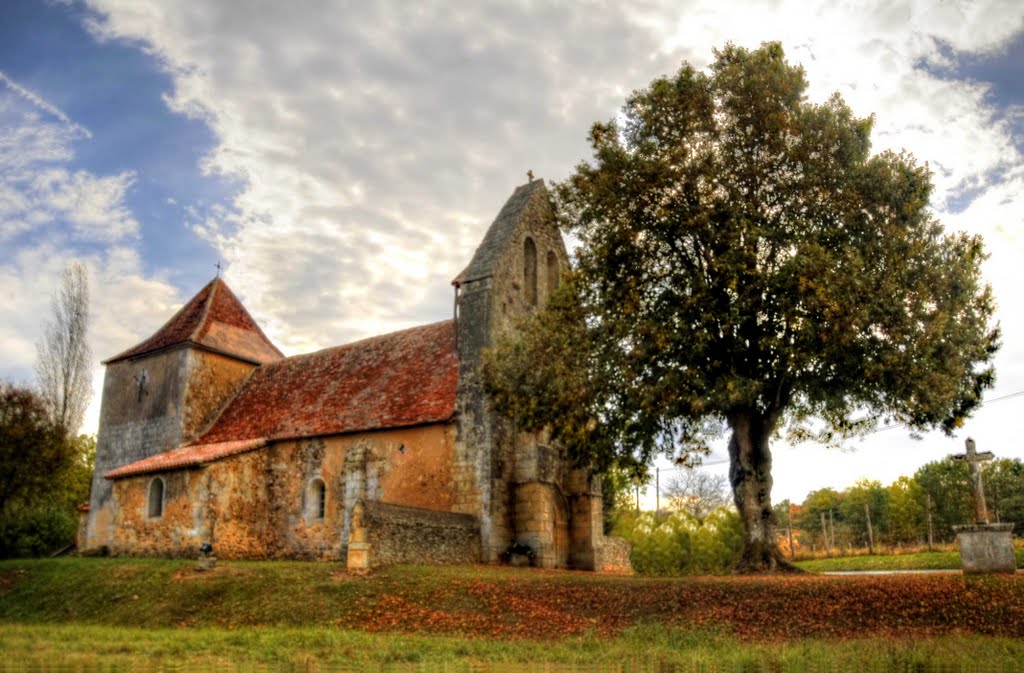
(911,511)
(696,533)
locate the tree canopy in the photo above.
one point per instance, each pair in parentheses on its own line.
(746,264)
(44,475)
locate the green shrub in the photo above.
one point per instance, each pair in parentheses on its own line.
(681,544)
(36,531)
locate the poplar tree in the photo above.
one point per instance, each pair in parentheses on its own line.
(63,357)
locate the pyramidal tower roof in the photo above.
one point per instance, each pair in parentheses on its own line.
(504,225)
(213,320)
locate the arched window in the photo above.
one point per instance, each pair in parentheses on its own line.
(530,271)
(554,273)
(316,500)
(155,507)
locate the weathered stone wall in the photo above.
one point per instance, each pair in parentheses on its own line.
(140,415)
(542,522)
(150,405)
(400,534)
(526,493)
(212,382)
(179,531)
(257,504)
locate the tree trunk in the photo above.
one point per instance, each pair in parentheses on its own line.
(750,473)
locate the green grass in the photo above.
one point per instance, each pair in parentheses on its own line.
(149,613)
(646,647)
(935,560)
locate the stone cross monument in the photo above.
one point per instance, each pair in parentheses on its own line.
(984,547)
(974,461)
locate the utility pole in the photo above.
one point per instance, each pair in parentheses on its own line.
(832,528)
(657,490)
(929,510)
(824,534)
(871,536)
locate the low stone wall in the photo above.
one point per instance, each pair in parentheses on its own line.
(388,534)
(612,556)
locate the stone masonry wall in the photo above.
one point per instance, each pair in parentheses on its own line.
(493,294)
(256,504)
(140,415)
(150,405)
(212,382)
(399,534)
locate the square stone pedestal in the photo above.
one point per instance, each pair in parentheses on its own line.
(986,548)
(358,558)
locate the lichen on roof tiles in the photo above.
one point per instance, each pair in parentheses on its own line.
(213,319)
(186,456)
(395,380)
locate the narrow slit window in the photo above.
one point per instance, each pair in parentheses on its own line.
(316,500)
(530,271)
(156,498)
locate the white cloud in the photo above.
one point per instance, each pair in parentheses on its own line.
(375,142)
(37,191)
(51,215)
(125,307)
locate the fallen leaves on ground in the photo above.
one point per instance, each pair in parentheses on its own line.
(540,606)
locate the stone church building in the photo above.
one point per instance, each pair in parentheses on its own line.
(375,452)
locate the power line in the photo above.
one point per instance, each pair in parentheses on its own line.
(994,399)
(722,461)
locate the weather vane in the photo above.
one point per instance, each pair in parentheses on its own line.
(218,268)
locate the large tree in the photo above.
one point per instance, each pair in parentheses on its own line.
(746,264)
(63,357)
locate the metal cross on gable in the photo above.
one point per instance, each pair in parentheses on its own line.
(974,461)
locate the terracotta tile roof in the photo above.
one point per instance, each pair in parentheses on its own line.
(186,456)
(394,380)
(213,319)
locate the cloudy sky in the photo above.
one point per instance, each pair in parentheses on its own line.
(342,159)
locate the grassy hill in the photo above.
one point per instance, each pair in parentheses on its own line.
(130,610)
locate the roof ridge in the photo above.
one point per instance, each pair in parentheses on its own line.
(498,232)
(403,378)
(375,337)
(197,332)
(214,319)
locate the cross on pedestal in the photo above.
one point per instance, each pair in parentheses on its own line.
(974,461)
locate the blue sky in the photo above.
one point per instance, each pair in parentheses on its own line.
(343,162)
